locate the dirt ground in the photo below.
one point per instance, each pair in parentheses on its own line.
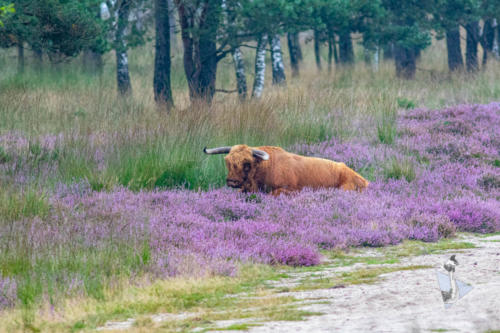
(410,301)
(400,301)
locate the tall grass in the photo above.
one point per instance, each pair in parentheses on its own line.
(65,125)
(110,141)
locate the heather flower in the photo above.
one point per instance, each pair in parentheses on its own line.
(180,232)
(8,292)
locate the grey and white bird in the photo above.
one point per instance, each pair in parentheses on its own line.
(451,264)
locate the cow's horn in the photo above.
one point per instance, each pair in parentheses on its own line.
(260,154)
(219,150)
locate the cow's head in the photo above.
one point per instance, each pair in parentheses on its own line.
(240,162)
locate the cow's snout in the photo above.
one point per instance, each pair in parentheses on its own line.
(233,183)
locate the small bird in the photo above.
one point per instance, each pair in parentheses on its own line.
(451,264)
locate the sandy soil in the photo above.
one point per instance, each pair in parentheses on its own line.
(402,301)
(410,301)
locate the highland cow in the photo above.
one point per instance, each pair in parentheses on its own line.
(272,169)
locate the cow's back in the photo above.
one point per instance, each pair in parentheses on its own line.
(294,172)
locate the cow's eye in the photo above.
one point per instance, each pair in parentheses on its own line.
(247,166)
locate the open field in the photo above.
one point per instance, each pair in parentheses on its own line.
(100,196)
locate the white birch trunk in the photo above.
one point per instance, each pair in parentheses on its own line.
(495,49)
(375,61)
(279,77)
(239,67)
(104,11)
(122,73)
(260,67)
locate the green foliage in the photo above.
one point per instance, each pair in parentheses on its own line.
(61,27)
(406,103)
(406,23)
(6,10)
(448,14)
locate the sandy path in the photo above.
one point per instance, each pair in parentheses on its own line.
(410,301)
(401,301)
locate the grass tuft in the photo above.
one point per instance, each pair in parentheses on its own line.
(397,169)
(406,103)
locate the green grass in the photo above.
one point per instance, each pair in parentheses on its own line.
(17,204)
(386,127)
(360,276)
(393,254)
(396,169)
(406,103)
(236,327)
(143,148)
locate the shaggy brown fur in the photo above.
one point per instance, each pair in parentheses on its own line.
(285,172)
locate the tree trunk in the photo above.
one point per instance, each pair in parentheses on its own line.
(489,34)
(171,20)
(405,61)
(376,59)
(332,51)
(455,61)
(389,51)
(371,57)
(20,58)
(199,34)
(92,61)
(122,73)
(293,49)
(241,79)
(296,42)
(161,79)
(494,48)
(487,39)
(317,49)
(208,70)
(346,51)
(260,67)
(279,77)
(38,58)
(471,60)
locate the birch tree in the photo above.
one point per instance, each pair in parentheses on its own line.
(122,72)
(279,77)
(231,21)
(241,79)
(260,66)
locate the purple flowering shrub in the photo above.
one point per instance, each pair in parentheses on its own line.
(453,153)
(8,292)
